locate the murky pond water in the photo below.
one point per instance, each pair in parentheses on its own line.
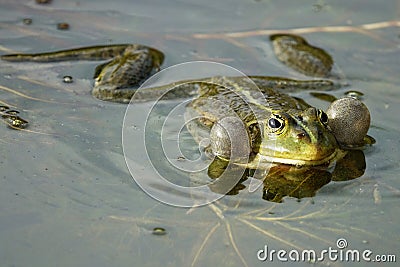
(66,195)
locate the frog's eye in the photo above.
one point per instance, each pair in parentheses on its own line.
(322,116)
(276,123)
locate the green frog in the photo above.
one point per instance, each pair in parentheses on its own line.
(276,127)
(271,126)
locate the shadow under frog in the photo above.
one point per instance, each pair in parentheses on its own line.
(284,180)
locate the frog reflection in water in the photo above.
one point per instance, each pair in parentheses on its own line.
(278,128)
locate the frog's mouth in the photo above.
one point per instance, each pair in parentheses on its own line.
(263,161)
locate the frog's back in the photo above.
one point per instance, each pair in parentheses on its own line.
(223,95)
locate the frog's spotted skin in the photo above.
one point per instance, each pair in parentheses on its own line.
(298,54)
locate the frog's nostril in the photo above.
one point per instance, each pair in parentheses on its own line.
(301,135)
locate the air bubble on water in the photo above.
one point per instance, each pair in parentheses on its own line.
(68,79)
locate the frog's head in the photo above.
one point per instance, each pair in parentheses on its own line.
(297,137)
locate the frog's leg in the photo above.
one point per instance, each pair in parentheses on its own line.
(291,85)
(100,52)
(176,90)
(131,64)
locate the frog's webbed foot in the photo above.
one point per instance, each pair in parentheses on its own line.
(295,52)
(11,118)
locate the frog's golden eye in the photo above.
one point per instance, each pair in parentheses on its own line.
(322,116)
(276,123)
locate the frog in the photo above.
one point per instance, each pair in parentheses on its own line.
(300,133)
(276,127)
